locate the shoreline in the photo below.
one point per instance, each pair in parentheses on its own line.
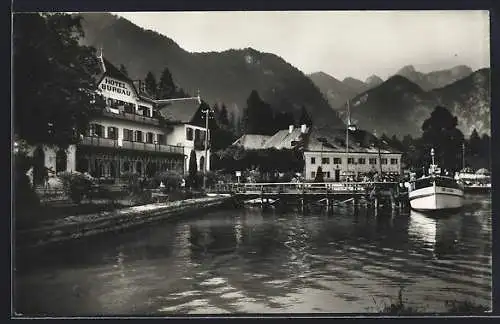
(81,226)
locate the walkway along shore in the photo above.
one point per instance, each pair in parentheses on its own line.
(74,227)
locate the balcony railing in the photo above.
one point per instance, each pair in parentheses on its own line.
(107,142)
(130,116)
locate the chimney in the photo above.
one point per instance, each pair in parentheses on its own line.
(290,129)
(303,128)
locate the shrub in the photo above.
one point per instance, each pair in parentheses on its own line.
(213,178)
(75,185)
(171,180)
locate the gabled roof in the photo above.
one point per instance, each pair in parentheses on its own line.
(114,72)
(108,69)
(252,141)
(334,140)
(283,139)
(182,111)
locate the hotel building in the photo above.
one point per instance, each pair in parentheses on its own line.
(132,134)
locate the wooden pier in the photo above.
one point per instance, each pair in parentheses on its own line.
(302,195)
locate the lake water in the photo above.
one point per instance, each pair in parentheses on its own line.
(249,261)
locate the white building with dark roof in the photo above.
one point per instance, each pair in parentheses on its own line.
(187,124)
(326,148)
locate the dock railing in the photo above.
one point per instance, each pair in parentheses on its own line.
(292,187)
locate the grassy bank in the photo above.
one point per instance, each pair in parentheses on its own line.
(453,307)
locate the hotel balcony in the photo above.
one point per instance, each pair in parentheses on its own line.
(131,116)
(127,145)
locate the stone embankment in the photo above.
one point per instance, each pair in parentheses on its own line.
(74,227)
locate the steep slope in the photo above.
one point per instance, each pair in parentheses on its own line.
(338,92)
(399,106)
(394,107)
(355,84)
(335,91)
(435,79)
(470,100)
(227,76)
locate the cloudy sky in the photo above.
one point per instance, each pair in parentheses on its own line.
(341,43)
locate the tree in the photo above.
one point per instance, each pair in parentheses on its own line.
(257,116)
(282,120)
(440,133)
(223,116)
(123,69)
(474,146)
(166,86)
(150,82)
(319,175)
(304,117)
(485,148)
(55,79)
(193,169)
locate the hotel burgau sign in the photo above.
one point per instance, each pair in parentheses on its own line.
(117,89)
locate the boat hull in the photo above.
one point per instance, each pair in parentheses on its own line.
(436,198)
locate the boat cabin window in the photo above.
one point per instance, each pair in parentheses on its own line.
(423,183)
(446,182)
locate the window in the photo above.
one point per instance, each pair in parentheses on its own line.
(143,110)
(128,135)
(313,174)
(149,138)
(138,136)
(328,174)
(313,161)
(361,161)
(197,135)
(350,160)
(325,160)
(96,130)
(160,138)
(394,161)
(113,133)
(129,108)
(372,160)
(383,161)
(189,133)
(337,161)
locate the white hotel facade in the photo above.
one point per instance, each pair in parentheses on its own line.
(133,134)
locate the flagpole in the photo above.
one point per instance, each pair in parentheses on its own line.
(347,140)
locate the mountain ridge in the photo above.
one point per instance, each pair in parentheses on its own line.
(399,106)
(228,76)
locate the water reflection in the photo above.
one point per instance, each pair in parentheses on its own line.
(254,261)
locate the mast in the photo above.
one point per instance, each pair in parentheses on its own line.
(463,155)
(379,153)
(347,140)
